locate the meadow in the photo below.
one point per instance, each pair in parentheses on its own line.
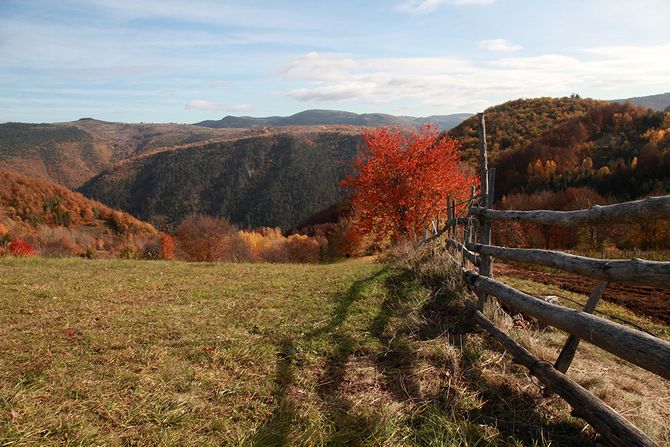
(122,352)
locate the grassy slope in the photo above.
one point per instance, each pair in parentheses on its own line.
(168,353)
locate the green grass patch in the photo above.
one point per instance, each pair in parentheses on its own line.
(166,353)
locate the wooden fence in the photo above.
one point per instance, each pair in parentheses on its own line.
(458,236)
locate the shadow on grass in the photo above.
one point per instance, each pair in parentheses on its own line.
(442,316)
(275,431)
(348,428)
(439,316)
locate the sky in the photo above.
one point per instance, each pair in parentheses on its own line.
(187,61)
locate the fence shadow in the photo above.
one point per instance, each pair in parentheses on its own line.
(440,316)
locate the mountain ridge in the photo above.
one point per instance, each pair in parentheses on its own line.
(659,102)
(335,117)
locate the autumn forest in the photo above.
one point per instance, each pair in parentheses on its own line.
(280,194)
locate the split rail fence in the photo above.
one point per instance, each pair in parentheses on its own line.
(475,260)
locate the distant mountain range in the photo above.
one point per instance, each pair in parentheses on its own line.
(336,117)
(659,102)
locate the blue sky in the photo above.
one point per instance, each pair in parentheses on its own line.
(185,61)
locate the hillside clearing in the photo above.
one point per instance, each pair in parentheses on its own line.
(350,353)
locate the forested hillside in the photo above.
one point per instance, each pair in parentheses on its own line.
(273,180)
(59,221)
(613,153)
(656,102)
(64,154)
(619,150)
(71,153)
(514,124)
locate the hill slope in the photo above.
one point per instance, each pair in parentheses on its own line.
(273,180)
(28,206)
(655,102)
(71,153)
(514,124)
(335,117)
(620,150)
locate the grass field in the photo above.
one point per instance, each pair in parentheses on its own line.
(168,353)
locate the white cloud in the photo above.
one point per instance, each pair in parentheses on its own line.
(501,45)
(241,108)
(457,84)
(201,104)
(420,7)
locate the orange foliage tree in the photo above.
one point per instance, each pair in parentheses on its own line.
(401,181)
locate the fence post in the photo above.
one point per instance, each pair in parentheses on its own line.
(568,352)
(485,235)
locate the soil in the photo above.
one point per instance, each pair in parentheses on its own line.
(648,301)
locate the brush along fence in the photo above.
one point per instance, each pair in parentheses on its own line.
(651,353)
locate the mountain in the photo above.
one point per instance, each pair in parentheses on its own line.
(514,124)
(336,117)
(57,219)
(655,102)
(619,150)
(73,152)
(272,180)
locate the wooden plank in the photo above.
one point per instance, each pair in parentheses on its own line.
(634,271)
(628,212)
(616,430)
(486,261)
(639,348)
(570,348)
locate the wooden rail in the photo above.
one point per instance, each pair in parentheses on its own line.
(616,429)
(637,347)
(629,212)
(634,271)
(470,256)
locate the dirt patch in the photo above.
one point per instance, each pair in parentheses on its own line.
(648,301)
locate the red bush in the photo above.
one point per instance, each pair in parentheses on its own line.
(21,248)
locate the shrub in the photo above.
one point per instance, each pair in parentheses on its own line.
(204,238)
(21,248)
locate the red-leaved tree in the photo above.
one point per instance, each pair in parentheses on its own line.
(401,182)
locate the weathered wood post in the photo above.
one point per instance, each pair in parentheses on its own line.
(570,348)
(486,200)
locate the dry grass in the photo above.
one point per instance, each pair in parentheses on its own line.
(640,396)
(167,353)
(351,353)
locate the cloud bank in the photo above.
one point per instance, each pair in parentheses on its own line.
(500,45)
(460,84)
